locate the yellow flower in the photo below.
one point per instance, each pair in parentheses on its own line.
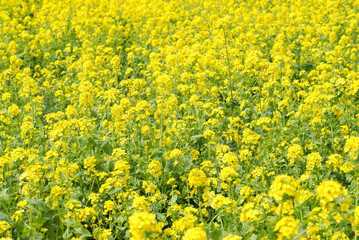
(109,206)
(250,137)
(195,233)
(313,159)
(175,153)
(105,234)
(141,223)
(352,144)
(13,110)
(145,130)
(55,196)
(206,166)
(287,227)
(338,217)
(347,167)
(4,226)
(197,178)
(339,236)
(329,190)
(219,200)
(246,191)
(355,219)
(184,223)
(283,185)
(149,187)
(141,203)
(170,181)
(208,134)
(232,237)
(336,161)
(313,228)
(303,195)
(249,213)
(285,208)
(230,159)
(25,127)
(227,174)
(154,168)
(194,154)
(90,165)
(6,97)
(22,204)
(294,152)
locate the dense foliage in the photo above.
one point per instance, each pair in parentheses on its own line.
(184,119)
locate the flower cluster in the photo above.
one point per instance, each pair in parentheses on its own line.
(177,119)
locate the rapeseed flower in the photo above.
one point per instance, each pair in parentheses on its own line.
(283,185)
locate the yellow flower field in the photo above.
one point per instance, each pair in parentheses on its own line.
(182,119)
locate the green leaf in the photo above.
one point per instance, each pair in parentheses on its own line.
(39,203)
(161,217)
(213,232)
(4,197)
(38,222)
(83,231)
(107,148)
(195,137)
(246,227)
(119,218)
(173,199)
(114,191)
(253,237)
(72,223)
(51,229)
(67,235)
(157,153)
(5,217)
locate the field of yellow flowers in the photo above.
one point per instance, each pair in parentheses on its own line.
(182,119)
